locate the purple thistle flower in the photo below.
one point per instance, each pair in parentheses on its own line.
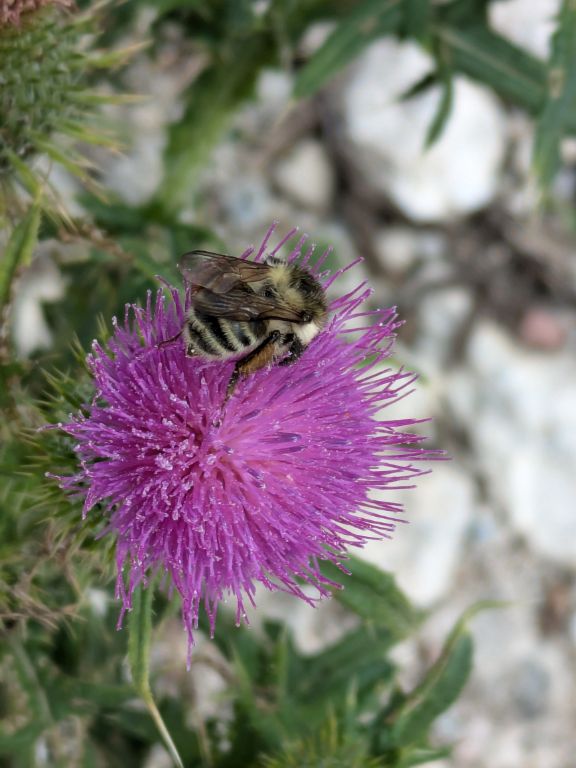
(287,473)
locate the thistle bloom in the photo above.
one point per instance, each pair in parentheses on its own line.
(289,472)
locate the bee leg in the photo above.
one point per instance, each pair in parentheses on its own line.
(170,340)
(295,349)
(254,360)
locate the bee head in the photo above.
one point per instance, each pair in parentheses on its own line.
(299,288)
(307,295)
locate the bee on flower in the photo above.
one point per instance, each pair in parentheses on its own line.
(222,473)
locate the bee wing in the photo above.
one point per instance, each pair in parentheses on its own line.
(218,272)
(241,303)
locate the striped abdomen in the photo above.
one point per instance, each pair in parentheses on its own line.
(218,338)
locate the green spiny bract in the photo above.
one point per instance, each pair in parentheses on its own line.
(39,79)
(46,101)
(11,11)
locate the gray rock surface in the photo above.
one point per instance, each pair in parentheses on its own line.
(387,136)
(520,408)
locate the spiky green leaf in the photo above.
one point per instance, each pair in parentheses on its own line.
(443,110)
(492,60)
(437,692)
(18,252)
(366,21)
(559,113)
(373,595)
(417,18)
(406,721)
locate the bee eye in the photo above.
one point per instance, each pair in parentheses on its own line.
(304,287)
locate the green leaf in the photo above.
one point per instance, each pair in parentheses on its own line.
(467,13)
(406,721)
(18,252)
(358,659)
(25,175)
(417,18)
(139,640)
(333,745)
(264,722)
(423,757)
(20,741)
(560,110)
(29,679)
(438,691)
(444,109)
(420,86)
(166,6)
(485,56)
(373,595)
(82,696)
(368,20)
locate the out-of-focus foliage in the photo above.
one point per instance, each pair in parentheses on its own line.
(558,115)
(458,36)
(286,708)
(65,689)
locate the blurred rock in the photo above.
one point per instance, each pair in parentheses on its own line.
(98,600)
(396,248)
(203,685)
(424,556)
(387,135)
(543,329)
(273,91)
(247,203)
(528,23)
(520,410)
(441,315)
(521,680)
(519,193)
(158,757)
(136,173)
(65,184)
(572,629)
(530,688)
(400,248)
(313,627)
(42,282)
(332,232)
(315,37)
(306,175)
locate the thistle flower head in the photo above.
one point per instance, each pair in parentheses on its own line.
(222,495)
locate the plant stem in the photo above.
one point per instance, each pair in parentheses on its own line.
(157,717)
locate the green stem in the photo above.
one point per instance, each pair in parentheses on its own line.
(157,717)
(139,642)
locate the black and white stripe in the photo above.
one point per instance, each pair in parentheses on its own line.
(219,338)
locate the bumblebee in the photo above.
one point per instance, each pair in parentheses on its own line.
(259,313)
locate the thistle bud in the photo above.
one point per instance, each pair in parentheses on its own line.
(45,64)
(12,10)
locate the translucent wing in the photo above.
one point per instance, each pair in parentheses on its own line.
(241,303)
(218,272)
